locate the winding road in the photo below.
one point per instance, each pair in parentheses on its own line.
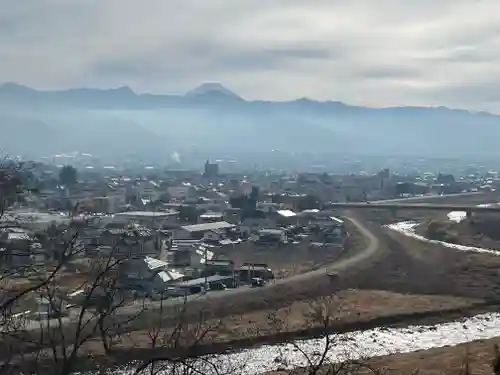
(337,267)
(343,263)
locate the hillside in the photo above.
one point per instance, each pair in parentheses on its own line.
(479,231)
(211,118)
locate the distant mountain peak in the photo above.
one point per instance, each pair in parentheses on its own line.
(212,88)
(304,99)
(14,86)
(124,89)
(121,89)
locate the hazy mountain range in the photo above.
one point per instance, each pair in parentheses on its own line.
(118,123)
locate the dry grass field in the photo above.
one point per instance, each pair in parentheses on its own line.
(408,265)
(291,259)
(346,306)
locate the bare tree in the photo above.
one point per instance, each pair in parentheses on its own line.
(61,336)
(105,317)
(15,182)
(178,343)
(332,354)
(496,360)
(24,336)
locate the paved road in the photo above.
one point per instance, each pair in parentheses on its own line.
(338,266)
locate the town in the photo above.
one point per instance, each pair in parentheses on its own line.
(249,187)
(178,233)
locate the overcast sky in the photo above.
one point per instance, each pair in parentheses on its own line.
(372,52)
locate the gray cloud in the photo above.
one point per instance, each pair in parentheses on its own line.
(386,52)
(488,91)
(303,53)
(391,72)
(209,57)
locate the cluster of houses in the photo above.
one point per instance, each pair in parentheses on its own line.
(159,250)
(167,231)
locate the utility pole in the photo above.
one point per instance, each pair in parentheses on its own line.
(232,268)
(206,253)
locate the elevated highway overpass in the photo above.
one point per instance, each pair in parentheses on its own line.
(398,205)
(431,198)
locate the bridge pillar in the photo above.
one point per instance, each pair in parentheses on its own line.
(394,212)
(469,214)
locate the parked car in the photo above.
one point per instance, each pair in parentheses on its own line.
(218,286)
(257,282)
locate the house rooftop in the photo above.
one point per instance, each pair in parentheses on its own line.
(271,232)
(219,262)
(286,213)
(146,214)
(169,275)
(211,214)
(153,263)
(310,211)
(252,267)
(130,231)
(203,281)
(337,220)
(207,226)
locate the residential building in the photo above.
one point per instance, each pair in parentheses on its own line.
(130,242)
(250,270)
(211,217)
(211,282)
(251,225)
(286,217)
(107,204)
(270,236)
(218,267)
(188,253)
(152,219)
(148,274)
(197,231)
(180,192)
(211,170)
